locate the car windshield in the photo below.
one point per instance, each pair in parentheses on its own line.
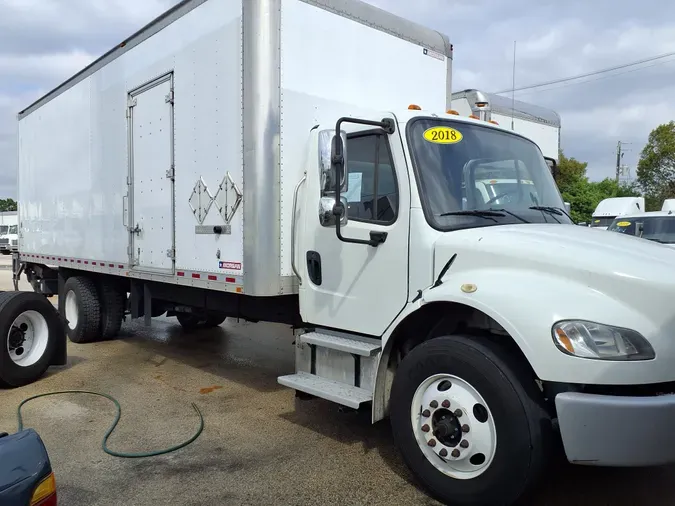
(604,221)
(654,228)
(4,229)
(465,168)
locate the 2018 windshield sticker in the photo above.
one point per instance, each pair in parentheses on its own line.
(442,135)
(623,224)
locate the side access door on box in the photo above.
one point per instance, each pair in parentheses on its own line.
(151,206)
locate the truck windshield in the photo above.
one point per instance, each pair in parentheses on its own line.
(14,229)
(654,228)
(603,221)
(4,229)
(464,168)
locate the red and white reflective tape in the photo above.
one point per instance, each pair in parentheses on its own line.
(113,268)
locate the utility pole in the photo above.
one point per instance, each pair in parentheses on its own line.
(619,156)
(618,161)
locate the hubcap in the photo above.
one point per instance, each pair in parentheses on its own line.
(453,426)
(71,309)
(27,338)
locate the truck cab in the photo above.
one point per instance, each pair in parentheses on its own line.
(440,278)
(656,226)
(9,238)
(609,209)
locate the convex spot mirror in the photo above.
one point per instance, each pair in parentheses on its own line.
(327,217)
(327,145)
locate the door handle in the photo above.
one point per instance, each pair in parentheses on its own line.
(125,211)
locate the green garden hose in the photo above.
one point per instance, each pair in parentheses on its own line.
(104,443)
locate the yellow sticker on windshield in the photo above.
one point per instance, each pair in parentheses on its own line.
(623,224)
(442,135)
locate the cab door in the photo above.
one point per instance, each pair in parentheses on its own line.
(358,287)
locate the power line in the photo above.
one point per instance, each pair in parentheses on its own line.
(590,74)
(600,78)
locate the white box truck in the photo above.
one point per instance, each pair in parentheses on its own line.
(292,161)
(610,208)
(537,123)
(9,237)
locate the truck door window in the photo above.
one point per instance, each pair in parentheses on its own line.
(372,193)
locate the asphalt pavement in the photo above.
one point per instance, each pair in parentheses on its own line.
(260,445)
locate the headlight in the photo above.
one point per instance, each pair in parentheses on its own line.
(593,340)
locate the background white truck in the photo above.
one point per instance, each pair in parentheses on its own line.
(608,209)
(217,164)
(9,236)
(537,123)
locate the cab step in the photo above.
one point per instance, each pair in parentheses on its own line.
(356,346)
(335,391)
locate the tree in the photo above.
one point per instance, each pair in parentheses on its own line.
(7,205)
(584,195)
(570,173)
(656,168)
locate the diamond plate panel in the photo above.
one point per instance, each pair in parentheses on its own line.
(200,200)
(228,198)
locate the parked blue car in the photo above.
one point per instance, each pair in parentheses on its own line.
(26,476)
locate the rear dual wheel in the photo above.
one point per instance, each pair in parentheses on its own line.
(192,321)
(468,422)
(93,312)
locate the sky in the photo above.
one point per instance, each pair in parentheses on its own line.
(42,42)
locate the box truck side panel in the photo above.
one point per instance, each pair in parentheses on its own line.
(315,94)
(78,146)
(546,136)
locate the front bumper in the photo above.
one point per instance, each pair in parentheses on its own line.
(617,431)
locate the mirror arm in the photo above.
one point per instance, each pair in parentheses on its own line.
(338,161)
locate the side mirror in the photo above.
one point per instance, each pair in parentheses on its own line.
(327,216)
(568,207)
(552,165)
(327,141)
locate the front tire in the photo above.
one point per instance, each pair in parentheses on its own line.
(30,329)
(467,422)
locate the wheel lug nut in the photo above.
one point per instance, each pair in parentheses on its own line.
(425,428)
(464,443)
(446,403)
(426,413)
(455,453)
(443,453)
(432,442)
(465,428)
(433,404)
(458,413)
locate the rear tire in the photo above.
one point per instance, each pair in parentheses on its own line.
(500,419)
(214,320)
(190,321)
(113,302)
(82,310)
(30,330)
(194,321)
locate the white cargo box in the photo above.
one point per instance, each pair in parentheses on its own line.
(174,156)
(537,123)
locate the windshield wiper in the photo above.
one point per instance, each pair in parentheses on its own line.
(487,214)
(511,214)
(552,210)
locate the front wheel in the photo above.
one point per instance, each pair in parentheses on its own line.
(467,423)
